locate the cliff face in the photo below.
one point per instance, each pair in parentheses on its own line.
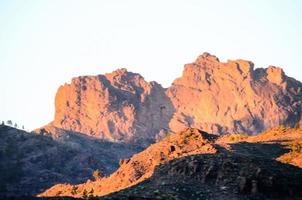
(233,97)
(119,106)
(210,95)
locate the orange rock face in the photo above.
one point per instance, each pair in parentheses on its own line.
(233,97)
(120,106)
(211,95)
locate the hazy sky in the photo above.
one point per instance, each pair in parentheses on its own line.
(43,44)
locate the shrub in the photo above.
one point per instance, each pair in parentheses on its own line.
(84,194)
(91,193)
(74,190)
(123,161)
(97,174)
(296,147)
(237,137)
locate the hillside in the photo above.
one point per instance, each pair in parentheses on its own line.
(141,166)
(192,164)
(30,163)
(215,111)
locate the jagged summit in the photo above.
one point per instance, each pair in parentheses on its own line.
(206,57)
(210,95)
(117,106)
(233,97)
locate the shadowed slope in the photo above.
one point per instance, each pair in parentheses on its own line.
(219,176)
(30,163)
(141,166)
(242,167)
(245,168)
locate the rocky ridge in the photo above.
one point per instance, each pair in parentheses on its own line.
(192,164)
(213,96)
(142,165)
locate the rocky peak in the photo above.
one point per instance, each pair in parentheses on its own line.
(233,97)
(243,66)
(206,58)
(210,95)
(275,74)
(117,106)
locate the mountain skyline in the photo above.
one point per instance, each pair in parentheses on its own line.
(44,44)
(174,99)
(20,124)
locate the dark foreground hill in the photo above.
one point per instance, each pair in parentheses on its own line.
(222,176)
(30,163)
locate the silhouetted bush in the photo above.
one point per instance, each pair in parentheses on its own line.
(74,190)
(97,174)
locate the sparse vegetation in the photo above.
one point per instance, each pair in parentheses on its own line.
(84,194)
(91,193)
(235,137)
(74,190)
(123,161)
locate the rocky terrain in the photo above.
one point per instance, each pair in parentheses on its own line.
(120,107)
(192,164)
(223,176)
(213,96)
(233,97)
(141,166)
(31,163)
(101,121)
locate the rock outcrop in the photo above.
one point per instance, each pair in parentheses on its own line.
(211,95)
(119,106)
(233,97)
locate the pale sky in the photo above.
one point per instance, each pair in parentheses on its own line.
(44,43)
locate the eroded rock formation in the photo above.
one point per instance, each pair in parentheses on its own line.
(210,95)
(119,106)
(233,97)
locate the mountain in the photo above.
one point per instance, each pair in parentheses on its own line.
(101,121)
(192,164)
(213,96)
(31,163)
